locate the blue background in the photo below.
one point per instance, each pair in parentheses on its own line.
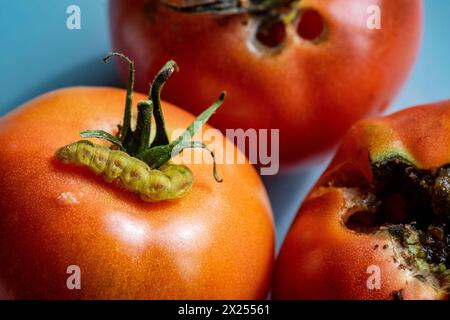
(38,54)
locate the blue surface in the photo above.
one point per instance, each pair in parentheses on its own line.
(38,54)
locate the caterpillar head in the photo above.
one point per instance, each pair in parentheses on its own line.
(79,152)
(63,154)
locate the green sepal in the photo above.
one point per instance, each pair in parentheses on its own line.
(200,121)
(198,144)
(125,133)
(161,137)
(156,156)
(100,134)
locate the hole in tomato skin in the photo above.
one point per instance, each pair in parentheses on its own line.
(310,25)
(413,205)
(271,33)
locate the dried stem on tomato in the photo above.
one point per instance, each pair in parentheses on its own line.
(226,7)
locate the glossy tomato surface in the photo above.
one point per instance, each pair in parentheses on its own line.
(311,79)
(217,242)
(328,254)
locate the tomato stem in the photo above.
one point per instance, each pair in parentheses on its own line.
(143,125)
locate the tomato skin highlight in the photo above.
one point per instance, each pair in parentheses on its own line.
(216,243)
(323,259)
(313,91)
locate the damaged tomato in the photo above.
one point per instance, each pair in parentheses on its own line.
(287,65)
(376,225)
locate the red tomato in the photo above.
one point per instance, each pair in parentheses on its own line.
(377,223)
(311,76)
(214,243)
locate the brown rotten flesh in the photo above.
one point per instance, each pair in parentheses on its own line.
(412,207)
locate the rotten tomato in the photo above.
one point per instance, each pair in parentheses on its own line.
(376,225)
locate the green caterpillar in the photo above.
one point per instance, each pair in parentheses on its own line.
(169,181)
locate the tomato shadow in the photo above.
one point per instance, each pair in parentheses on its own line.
(286,192)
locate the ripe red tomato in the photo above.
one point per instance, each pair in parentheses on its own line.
(215,243)
(377,223)
(311,77)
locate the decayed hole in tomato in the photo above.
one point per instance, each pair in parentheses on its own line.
(271,33)
(413,206)
(310,25)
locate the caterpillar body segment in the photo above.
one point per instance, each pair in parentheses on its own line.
(168,182)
